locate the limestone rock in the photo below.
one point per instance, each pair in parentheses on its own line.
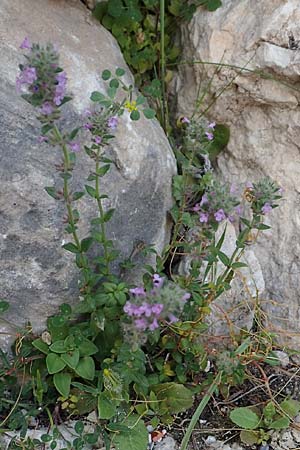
(36,273)
(263,115)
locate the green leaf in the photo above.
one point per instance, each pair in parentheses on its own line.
(135,439)
(108,215)
(97,96)
(87,348)
(85,244)
(79,427)
(86,368)
(77,195)
(280,424)
(58,347)
(4,306)
(120,72)
(140,100)
(106,74)
(106,407)
(135,115)
(238,265)
(114,83)
(71,358)
(224,258)
(41,346)
(290,407)
(245,418)
(212,5)
(103,170)
(91,191)
(62,382)
(71,247)
(262,226)
(249,437)
(174,397)
(54,363)
(111,92)
(115,8)
(149,113)
(51,191)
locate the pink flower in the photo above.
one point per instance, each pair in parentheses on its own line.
(157,308)
(212,125)
(184,120)
(203,217)
(204,200)
(220,215)
(112,122)
(266,208)
(137,291)
(26,44)
(209,135)
(196,208)
(140,324)
(157,280)
(186,297)
(47,108)
(153,325)
(75,146)
(97,140)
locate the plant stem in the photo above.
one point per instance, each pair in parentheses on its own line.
(101,212)
(199,410)
(163,64)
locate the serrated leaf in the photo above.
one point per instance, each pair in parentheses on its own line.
(62,382)
(86,368)
(136,438)
(245,418)
(54,363)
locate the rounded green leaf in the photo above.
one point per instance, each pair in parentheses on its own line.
(134,438)
(62,382)
(86,368)
(71,358)
(249,437)
(120,72)
(245,418)
(106,406)
(149,113)
(97,96)
(114,83)
(58,347)
(79,427)
(106,74)
(280,424)
(87,348)
(54,363)
(135,115)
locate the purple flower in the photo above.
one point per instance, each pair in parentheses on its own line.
(157,308)
(112,122)
(26,44)
(184,120)
(27,76)
(145,309)
(249,185)
(46,108)
(203,217)
(157,280)
(266,208)
(140,324)
(86,113)
(196,208)
(153,325)
(204,200)
(128,308)
(88,126)
(186,297)
(138,291)
(75,146)
(212,125)
(42,139)
(238,209)
(232,189)
(209,135)
(172,318)
(60,88)
(98,140)
(220,215)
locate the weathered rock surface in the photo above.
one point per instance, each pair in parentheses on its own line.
(263,116)
(36,274)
